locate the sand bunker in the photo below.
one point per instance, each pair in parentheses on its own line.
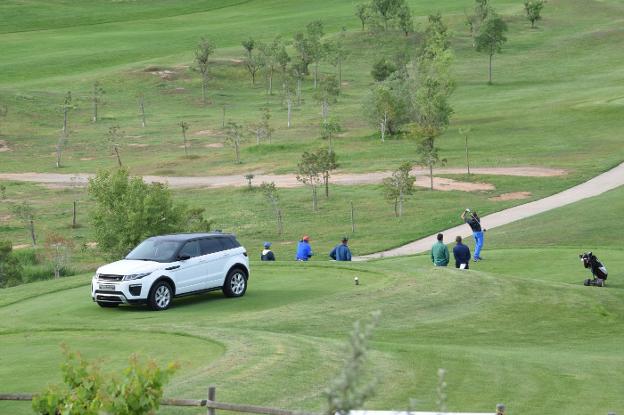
(511,196)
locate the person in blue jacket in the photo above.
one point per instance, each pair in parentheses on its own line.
(341,252)
(461,253)
(304,250)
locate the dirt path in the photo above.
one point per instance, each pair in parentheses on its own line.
(593,187)
(285,180)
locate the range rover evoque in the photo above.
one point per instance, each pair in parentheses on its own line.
(163,267)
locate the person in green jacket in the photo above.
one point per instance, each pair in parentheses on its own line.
(440,253)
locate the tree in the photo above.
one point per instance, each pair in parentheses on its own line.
(428,156)
(10,268)
(382,69)
(533,9)
(406,22)
(481,11)
(263,129)
(308,173)
(234,137)
(350,388)
(114,136)
(303,47)
(204,49)
(96,99)
(253,62)
(184,126)
(398,186)
(326,160)
(249,177)
(288,91)
(336,52)
(66,107)
(26,214)
(327,94)
(362,11)
(491,38)
(465,132)
(270,193)
(329,129)
(317,50)
(387,9)
(389,105)
(58,251)
(128,210)
(273,55)
(142,109)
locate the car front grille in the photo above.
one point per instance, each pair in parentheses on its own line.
(110,277)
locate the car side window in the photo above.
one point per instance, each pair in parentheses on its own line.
(210,246)
(191,249)
(227,243)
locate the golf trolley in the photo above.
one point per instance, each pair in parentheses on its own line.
(598,270)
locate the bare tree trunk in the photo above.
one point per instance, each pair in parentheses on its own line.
(204,89)
(298,91)
(271,82)
(237,149)
(490,72)
(95,110)
(431,174)
(142,109)
(467,160)
(396,207)
(223,118)
(314,198)
(339,73)
(59,151)
(316,65)
(401,204)
(32,232)
(74,215)
(382,127)
(278,215)
(289,104)
(352,218)
(185,147)
(65,112)
(326,180)
(325,110)
(117,154)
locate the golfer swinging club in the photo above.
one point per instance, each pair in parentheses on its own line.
(475,224)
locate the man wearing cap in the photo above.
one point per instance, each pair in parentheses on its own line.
(267,254)
(341,252)
(304,250)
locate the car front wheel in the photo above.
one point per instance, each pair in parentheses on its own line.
(235,283)
(160,296)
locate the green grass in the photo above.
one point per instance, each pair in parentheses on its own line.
(518,328)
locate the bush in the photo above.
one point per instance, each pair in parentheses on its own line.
(88,391)
(10,267)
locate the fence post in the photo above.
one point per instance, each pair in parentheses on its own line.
(212,393)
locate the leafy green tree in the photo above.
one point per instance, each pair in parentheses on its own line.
(204,49)
(234,137)
(303,46)
(362,11)
(329,128)
(351,387)
(253,60)
(89,391)
(58,250)
(491,38)
(128,210)
(398,186)
(308,173)
(388,105)
(428,156)
(326,159)
(406,22)
(327,94)
(10,268)
(336,52)
(96,99)
(382,69)
(481,10)
(26,214)
(67,106)
(114,136)
(270,192)
(315,32)
(272,56)
(533,9)
(184,126)
(387,10)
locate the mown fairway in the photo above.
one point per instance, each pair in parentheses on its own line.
(519,328)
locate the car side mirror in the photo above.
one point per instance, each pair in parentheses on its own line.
(183,257)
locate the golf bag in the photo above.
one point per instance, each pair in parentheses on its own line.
(598,270)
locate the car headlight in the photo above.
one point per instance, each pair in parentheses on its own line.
(135,276)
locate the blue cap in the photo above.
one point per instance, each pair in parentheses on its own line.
(267,245)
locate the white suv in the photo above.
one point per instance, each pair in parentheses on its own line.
(163,267)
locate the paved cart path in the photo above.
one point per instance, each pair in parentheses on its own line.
(593,187)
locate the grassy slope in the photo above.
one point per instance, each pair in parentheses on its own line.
(519,328)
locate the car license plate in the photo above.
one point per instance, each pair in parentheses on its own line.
(108,287)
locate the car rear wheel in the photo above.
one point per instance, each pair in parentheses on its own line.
(160,296)
(235,283)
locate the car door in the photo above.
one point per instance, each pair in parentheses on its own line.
(190,277)
(214,261)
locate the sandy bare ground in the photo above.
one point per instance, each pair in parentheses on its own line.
(285,180)
(604,182)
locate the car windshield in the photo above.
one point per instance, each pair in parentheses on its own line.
(155,250)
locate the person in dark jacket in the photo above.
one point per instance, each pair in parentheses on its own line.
(304,250)
(267,254)
(461,253)
(341,252)
(474,221)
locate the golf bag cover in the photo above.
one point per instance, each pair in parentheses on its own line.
(598,270)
